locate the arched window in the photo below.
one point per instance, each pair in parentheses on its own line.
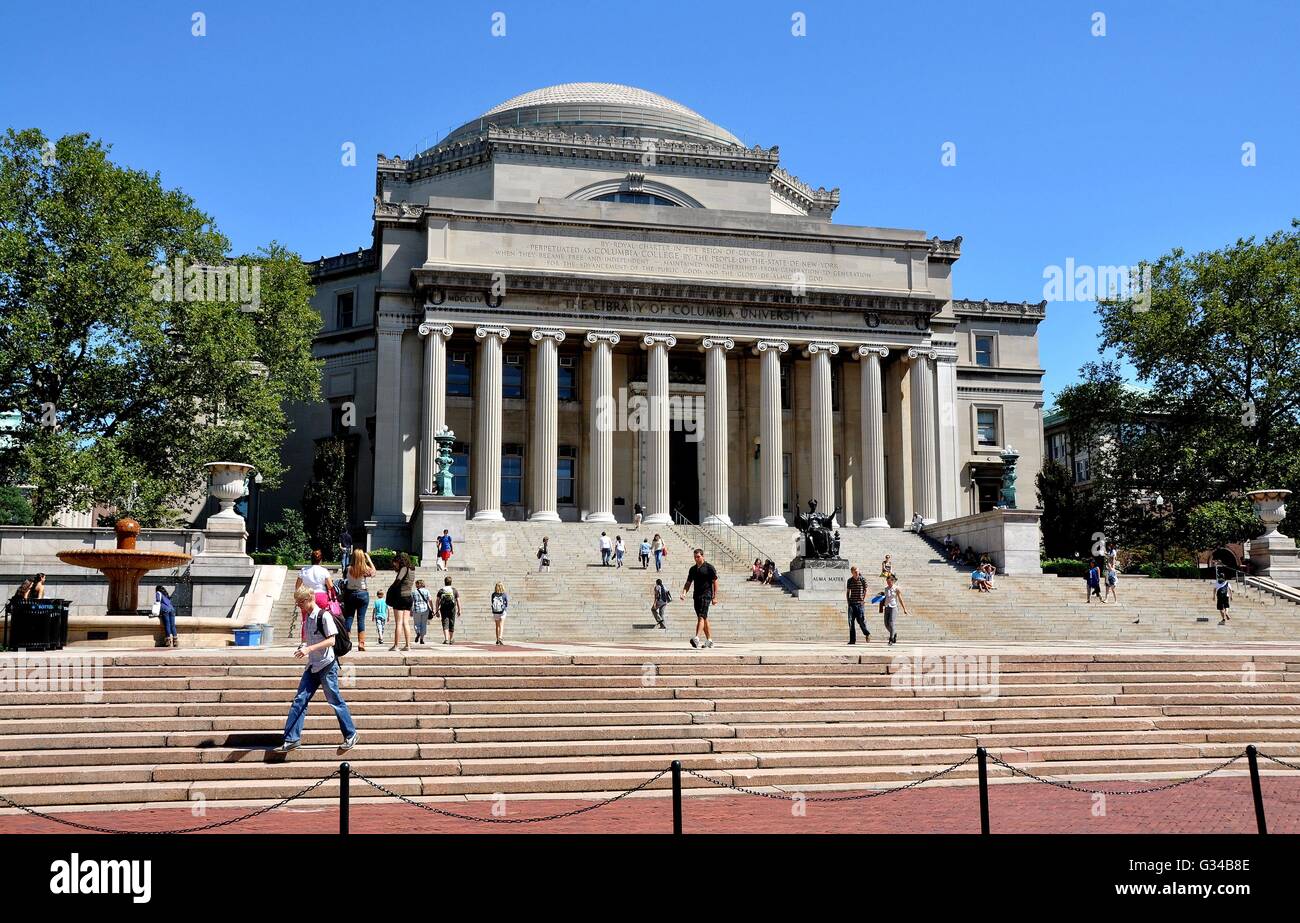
(634,198)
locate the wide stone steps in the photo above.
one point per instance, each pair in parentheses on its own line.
(174,728)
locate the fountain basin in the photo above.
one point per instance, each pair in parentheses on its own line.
(124,566)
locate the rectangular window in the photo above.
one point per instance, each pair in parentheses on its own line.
(512,474)
(785,481)
(512,375)
(344,312)
(984,351)
(1080,470)
(1057,451)
(460,469)
(459,375)
(986,423)
(785,386)
(836,381)
(568,378)
(566,475)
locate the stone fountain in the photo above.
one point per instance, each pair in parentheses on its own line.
(124,566)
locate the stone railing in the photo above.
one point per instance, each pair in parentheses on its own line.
(1011,538)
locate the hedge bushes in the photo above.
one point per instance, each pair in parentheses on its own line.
(1065,567)
(1170,570)
(383,558)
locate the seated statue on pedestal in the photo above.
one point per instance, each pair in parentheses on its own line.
(820,540)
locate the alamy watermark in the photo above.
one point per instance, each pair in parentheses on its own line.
(1085,282)
(638,413)
(181,281)
(43,673)
(961,673)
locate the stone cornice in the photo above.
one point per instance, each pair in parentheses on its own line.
(816,203)
(344,264)
(945,251)
(1024,309)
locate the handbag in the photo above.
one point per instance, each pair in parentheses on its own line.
(156,608)
(332,599)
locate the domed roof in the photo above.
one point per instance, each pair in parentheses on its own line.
(609,109)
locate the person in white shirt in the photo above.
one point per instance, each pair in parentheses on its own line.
(313,576)
(618,551)
(605,549)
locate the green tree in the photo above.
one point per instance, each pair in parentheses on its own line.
(289,536)
(1070,515)
(127,385)
(1214,340)
(14,508)
(1222,522)
(324,499)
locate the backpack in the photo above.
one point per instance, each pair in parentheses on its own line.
(342,643)
(498,604)
(447,602)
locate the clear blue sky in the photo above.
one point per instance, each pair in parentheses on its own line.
(1105,149)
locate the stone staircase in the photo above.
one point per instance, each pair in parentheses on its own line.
(176,727)
(581,601)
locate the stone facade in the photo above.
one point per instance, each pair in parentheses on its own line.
(561,263)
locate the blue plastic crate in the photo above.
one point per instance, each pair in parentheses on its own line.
(248,637)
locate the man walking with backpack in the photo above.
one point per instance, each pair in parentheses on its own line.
(323,643)
(448,609)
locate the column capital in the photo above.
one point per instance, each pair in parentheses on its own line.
(867,349)
(763,346)
(501,333)
(945,353)
(717,342)
(922,352)
(542,333)
(666,340)
(608,337)
(435,326)
(818,346)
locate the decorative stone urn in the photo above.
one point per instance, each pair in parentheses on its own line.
(1273,554)
(227,485)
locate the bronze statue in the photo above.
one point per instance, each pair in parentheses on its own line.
(820,539)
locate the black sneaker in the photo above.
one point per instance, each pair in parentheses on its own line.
(695,642)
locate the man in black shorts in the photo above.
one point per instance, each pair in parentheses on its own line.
(705,580)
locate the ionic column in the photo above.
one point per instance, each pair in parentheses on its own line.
(656,490)
(600,463)
(487,428)
(823,426)
(546,408)
(873,438)
(715,428)
(925,489)
(434,410)
(949,475)
(770,450)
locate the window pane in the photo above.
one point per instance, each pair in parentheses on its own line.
(568,384)
(785,387)
(458,377)
(512,481)
(635,198)
(460,473)
(987,424)
(512,380)
(344,310)
(564,480)
(984,351)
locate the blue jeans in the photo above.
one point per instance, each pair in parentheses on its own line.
(169,623)
(355,603)
(306,689)
(659,559)
(604,556)
(857,613)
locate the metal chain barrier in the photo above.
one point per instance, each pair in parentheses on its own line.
(1280,762)
(212,826)
(1070,786)
(511,820)
(786,796)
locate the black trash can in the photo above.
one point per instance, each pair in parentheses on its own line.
(36,624)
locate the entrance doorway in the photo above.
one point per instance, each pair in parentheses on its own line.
(683,474)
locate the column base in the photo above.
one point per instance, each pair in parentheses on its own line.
(599,517)
(772,521)
(489,516)
(717,519)
(544,516)
(657,519)
(875,522)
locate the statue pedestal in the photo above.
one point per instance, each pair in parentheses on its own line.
(1275,556)
(432,514)
(819,578)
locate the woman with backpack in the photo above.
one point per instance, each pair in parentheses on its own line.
(399,599)
(500,603)
(421,606)
(662,597)
(166,612)
(448,609)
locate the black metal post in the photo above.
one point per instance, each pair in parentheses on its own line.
(677,796)
(345,775)
(1252,757)
(982,754)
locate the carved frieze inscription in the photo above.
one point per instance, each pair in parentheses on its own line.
(677,256)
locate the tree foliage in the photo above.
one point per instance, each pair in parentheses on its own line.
(124,392)
(14,508)
(324,499)
(1216,411)
(1070,516)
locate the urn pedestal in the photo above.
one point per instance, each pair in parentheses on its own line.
(1274,555)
